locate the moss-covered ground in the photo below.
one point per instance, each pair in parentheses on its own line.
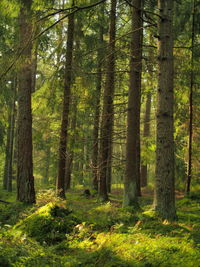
(82,232)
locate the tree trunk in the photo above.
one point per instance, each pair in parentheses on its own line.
(107,114)
(5,179)
(70,154)
(25,179)
(164,184)
(60,186)
(146,133)
(47,161)
(34,66)
(12,133)
(97,113)
(189,167)
(109,164)
(68,172)
(132,174)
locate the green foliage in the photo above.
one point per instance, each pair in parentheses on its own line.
(9,8)
(10,213)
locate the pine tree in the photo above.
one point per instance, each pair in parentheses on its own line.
(60,187)
(25,179)
(164,184)
(107,114)
(132,174)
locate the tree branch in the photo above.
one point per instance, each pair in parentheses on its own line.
(48,28)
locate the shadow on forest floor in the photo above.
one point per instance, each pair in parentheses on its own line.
(101,234)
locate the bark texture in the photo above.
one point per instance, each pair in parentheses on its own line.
(164,184)
(107,114)
(146,133)
(70,153)
(12,134)
(60,186)
(5,179)
(189,167)
(95,152)
(8,170)
(25,179)
(132,173)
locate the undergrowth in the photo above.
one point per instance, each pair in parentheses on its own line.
(83,232)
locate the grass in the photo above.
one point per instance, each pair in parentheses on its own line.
(83,232)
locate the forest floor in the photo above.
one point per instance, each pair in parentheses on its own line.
(83,232)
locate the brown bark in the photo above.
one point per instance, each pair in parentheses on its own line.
(5,179)
(95,152)
(60,186)
(70,154)
(164,184)
(189,167)
(146,133)
(34,66)
(11,145)
(107,114)
(25,179)
(68,172)
(109,164)
(132,173)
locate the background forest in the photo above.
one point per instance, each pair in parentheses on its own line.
(99,133)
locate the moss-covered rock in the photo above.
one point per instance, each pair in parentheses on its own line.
(49,224)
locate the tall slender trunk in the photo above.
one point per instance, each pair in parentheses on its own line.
(146,134)
(34,66)
(25,179)
(107,114)
(60,186)
(132,174)
(109,163)
(5,179)
(70,154)
(189,167)
(68,172)
(12,133)
(97,112)
(47,161)
(164,200)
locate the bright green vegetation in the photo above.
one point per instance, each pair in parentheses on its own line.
(82,232)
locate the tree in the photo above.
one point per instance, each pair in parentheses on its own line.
(147,116)
(60,187)
(71,142)
(164,200)
(25,179)
(189,169)
(132,173)
(11,137)
(97,104)
(146,133)
(107,113)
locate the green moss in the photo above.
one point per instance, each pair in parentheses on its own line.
(49,224)
(49,234)
(106,215)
